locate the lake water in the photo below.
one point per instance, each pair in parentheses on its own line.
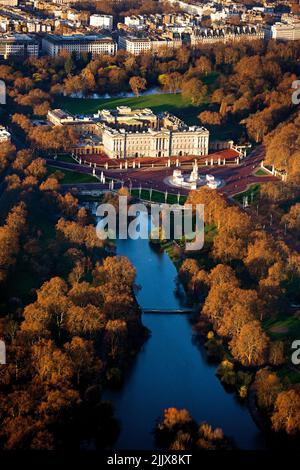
(171,369)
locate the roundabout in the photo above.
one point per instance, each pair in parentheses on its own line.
(193,180)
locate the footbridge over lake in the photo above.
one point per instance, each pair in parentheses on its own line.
(170,311)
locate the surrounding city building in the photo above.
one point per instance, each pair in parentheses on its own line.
(288,31)
(94,44)
(18,44)
(9,3)
(191,25)
(138,45)
(102,21)
(236,33)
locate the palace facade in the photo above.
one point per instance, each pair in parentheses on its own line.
(118,143)
(127,133)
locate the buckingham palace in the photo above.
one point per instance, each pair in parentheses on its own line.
(127,133)
(119,143)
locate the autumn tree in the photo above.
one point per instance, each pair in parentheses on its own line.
(267,386)
(286,416)
(115,337)
(84,321)
(49,313)
(250,345)
(292,218)
(194,90)
(82,355)
(10,238)
(137,84)
(53,366)
(210,117)
(6,153)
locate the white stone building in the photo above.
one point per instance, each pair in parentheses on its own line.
(102,21)
(136,45)
(286,31)
(9,3)
(18,44)
(161,142)
(95,44)
(127,133)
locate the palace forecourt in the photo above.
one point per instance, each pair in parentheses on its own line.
(126,133)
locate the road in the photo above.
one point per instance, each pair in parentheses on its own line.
(236,177)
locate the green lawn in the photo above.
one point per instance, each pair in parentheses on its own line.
(65,158)
(174,103)
(158,196)
(283,328)
(252,192)
(261,172)
(291,374)
(160,102)
(72,177)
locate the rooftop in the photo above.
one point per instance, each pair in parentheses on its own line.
(58,38)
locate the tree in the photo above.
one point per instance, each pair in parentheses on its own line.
(171,81)
(292,218)
(22,160)
(203,64)
(22,121)
(209,117)
(194,90)
(41,109)
(244,308)
(50,184)
(85,364)
(7,151)
(222,274)
(232,239)
(87,321)
(48,314)
(115,337)
(286,416)
(116,275)
(262,253)
(52,366)
(137,84)
(174,417)
(276,353)
(36,168)
(267,386)
(250,345)
(10,238)
(187,271)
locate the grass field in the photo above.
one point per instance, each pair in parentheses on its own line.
(158,196)
(252,192)
(72,177)
(159,103)
(261,172)
(65,158)
(282,328)
(174,103)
